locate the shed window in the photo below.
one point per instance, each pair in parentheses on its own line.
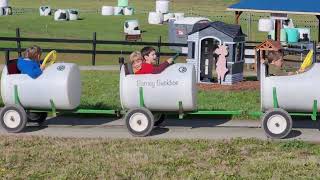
(193,45)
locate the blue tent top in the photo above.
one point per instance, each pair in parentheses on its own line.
(278,6)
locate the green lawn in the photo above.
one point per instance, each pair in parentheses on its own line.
(67,158)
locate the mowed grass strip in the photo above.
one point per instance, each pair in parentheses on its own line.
(100,90)
(67,158)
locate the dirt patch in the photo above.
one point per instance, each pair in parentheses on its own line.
(243,85)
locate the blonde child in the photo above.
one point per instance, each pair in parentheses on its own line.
(136,61)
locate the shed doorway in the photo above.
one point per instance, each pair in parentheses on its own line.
(208,59)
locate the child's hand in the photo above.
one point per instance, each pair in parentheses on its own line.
(170,60)
(42,68)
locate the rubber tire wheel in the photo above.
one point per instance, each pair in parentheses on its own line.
(279,112)
(38,117)
(160,120)
(23,118)
(149,117)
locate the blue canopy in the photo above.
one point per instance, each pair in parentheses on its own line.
(311,7)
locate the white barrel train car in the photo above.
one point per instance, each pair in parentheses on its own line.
(146,98)
(173,90)
(58,88)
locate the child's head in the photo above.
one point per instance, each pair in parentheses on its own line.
(136,60)
(149,55)
(275,58)
(33,52)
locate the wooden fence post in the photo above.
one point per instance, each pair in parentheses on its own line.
(18,41)
(94,45)
(7,57)
(159,50)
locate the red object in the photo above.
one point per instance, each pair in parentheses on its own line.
(12,67)
(150,69)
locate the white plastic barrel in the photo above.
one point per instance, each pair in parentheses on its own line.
(161,92)
(118,11)
(130,25)
(162,6)
(295,93)
(59,82)
(4,3)
(265,25)
(155,18)
(73,14)
(45,10)
(179,16)
(128,11)
(61,15)
(107,11)
(167,16)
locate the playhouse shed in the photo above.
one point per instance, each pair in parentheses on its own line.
(202,43)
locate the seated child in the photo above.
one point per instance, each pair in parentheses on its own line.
(275,62)
(30,63)
(136,61)
(149,59)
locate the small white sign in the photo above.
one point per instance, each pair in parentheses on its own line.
(184,50)
(281,16)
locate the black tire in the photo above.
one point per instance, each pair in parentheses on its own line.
(13,118)
(277,123)
(38,117)
(139,122)
(159,119)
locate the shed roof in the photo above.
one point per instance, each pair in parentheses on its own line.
(231,30)
(278,6)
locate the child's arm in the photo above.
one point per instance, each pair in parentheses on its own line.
(160,68)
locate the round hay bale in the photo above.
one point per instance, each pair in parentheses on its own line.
(130,25)
(45,11)
(118,11)
(265,25)
(128,11)
(107,11)
(61,15)
(4,3)
(179,16)
(73,14)
(1,12)
(162,6)
(167,16)
(155,18)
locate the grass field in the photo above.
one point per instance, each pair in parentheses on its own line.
(62,158)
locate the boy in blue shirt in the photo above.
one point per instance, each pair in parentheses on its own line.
(30,63)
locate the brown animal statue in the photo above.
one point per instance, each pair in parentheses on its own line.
(221,68)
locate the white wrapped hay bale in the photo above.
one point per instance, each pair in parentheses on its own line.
(61,15)
(130,26)
(73,14)
(265,25)
(117,11)
(162,6)
(178,16)
(4,3)
(128,11)
(107,11)
(1,12)
(305,31)
(167,16)
(155,18)
(45,11)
